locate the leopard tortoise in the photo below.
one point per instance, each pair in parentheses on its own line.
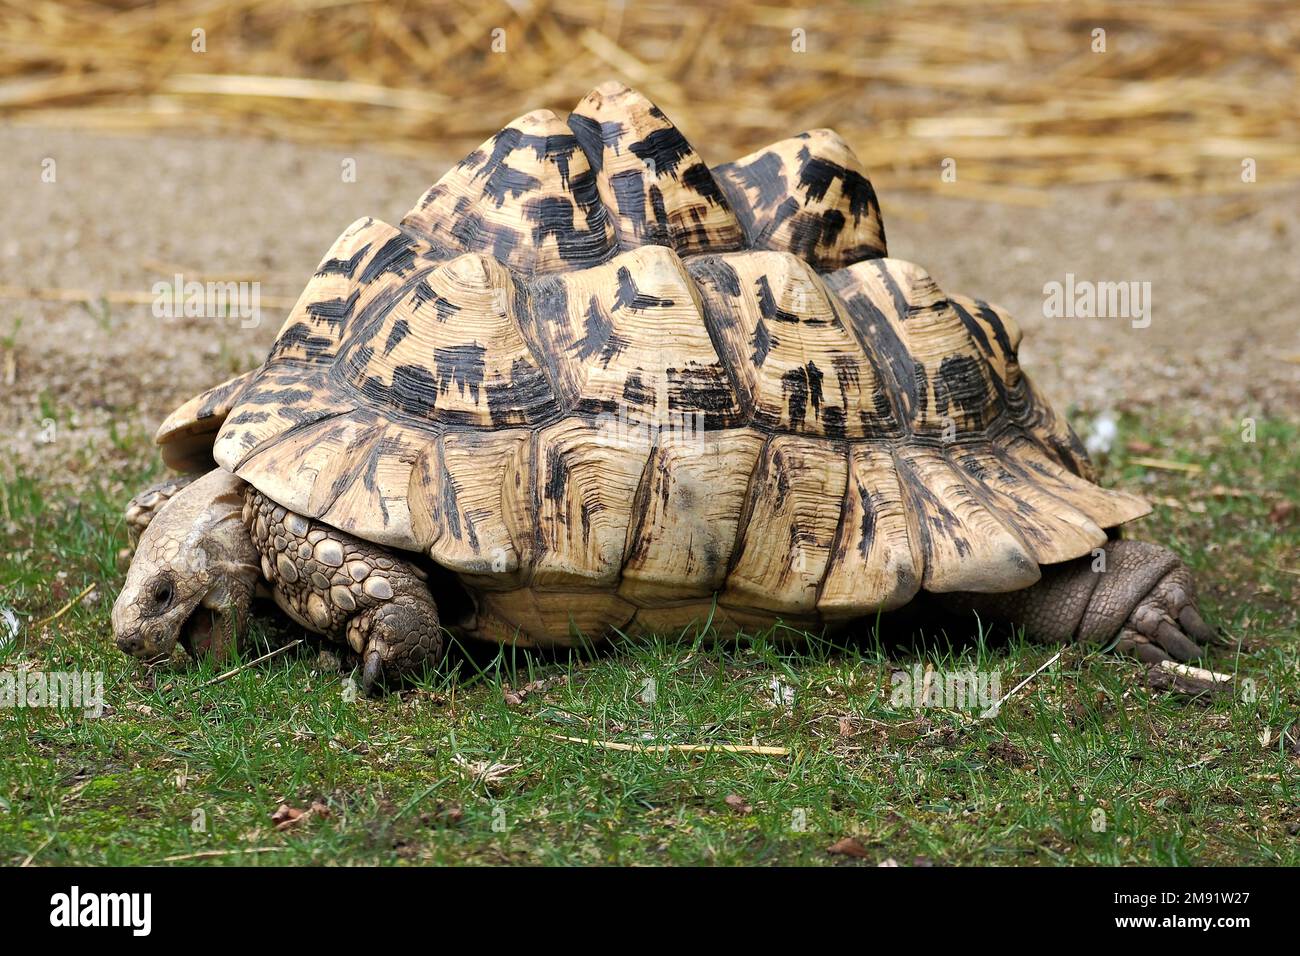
(591,386)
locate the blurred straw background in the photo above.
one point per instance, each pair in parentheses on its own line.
(1012,89)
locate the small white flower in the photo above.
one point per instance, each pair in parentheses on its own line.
(1102,435)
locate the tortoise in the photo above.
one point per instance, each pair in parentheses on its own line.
(590,386)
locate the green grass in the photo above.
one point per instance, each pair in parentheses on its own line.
(175,768)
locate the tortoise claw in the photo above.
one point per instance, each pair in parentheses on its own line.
(1140,646)
(1166,621)
(372,673)
(1189,619)
(1179,646)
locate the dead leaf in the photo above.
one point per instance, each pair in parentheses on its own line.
(512,697)
(1282,513)
(287,816)
(849,846)
(738,803)
(516,697)
(483,771)
(1136,447)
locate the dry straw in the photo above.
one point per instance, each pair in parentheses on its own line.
(1015,91)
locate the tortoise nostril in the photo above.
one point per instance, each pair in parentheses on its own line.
(129,643)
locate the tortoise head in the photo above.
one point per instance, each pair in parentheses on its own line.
(193,575)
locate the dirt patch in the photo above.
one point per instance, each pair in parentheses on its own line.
(1224,335)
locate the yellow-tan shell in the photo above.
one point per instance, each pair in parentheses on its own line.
(612,388)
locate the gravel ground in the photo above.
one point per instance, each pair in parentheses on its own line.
(126,212)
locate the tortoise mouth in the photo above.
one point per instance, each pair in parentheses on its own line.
(198,630)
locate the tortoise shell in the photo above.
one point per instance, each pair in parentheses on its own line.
(611,388)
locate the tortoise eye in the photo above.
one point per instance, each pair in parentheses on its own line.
(162,592)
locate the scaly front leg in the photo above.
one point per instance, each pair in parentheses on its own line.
(347,589)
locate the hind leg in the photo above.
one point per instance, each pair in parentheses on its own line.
(1144,600)
(349,590)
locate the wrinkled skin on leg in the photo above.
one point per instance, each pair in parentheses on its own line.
(348,589)
(1145,600)
(193,575)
